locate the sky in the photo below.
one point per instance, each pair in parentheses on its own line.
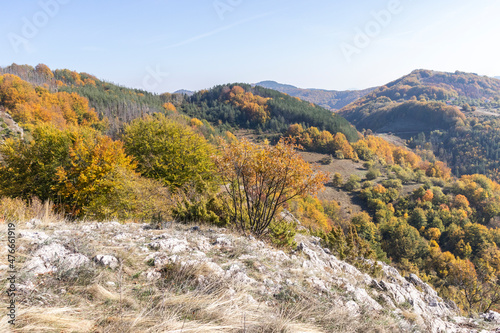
(162,46)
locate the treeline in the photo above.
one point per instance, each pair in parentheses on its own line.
(115,104)
(231,106)
(264,109)
(29,105)
(455,84)
(469,149)
(386,115)
(367,148)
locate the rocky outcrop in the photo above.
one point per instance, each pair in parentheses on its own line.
(249,266)
(8,127)
(52,258)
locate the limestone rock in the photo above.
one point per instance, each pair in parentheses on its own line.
(172,245)
(35,237)
(52,257)
(107,261)
(223,241)
(491,316)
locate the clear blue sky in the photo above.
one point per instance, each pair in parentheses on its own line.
(162,45)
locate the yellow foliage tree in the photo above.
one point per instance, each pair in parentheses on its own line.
(170,152)
(255,107)
(31,106)
(196,122)
(94,161)
(72,167)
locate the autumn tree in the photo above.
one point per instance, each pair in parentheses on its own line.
(169,151)
(259,179)
(401,241)
(44,71)
(349,246)
(341,146)
(337,179)
(28,166)
(30,105)
(75,168)
(253,106)
(169,107)
(463,275)
(418,219)
(93,169)
(310,211)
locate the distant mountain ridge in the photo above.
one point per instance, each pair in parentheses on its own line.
(329,99)
(184,92)
(422,101)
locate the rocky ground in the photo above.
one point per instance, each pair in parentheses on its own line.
(112,277)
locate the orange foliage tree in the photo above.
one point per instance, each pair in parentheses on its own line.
(260,179)
(31,106)
(310,211)
(169,107)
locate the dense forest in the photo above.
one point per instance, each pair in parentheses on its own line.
(472,148)
(114,104)
(448,116)
(263,109)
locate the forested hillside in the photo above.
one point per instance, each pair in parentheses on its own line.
(423,101)
(263,109)
(112,102)
(329,99)
(450,115)
(184,164)
(242,106)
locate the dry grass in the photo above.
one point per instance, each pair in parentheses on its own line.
(13,210)
(186,299)
(43,319)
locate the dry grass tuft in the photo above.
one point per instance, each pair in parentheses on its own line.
(42,319)
(16,209)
